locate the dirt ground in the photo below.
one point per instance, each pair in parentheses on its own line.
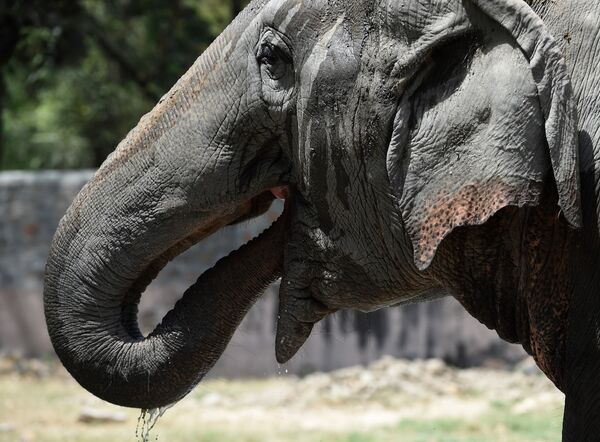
(391,400)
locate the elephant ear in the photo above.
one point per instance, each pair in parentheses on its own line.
(485,118)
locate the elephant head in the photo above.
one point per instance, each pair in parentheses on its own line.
(387,125)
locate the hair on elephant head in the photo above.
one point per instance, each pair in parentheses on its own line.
(386,124)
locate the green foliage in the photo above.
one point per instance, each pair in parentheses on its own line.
(79,74)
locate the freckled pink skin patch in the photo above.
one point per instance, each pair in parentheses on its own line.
(280,192)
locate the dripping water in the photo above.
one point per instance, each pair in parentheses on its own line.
(146,422)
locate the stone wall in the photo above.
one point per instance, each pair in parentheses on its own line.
(31,205)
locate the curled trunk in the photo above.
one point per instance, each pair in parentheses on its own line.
(176,178)
(94,329)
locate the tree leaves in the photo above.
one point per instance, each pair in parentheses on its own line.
(80,73)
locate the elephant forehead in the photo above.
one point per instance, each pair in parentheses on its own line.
(316,71)
(282,12)
(295,16)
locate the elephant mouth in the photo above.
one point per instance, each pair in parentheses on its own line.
(247,210)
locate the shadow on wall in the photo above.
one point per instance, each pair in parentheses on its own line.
(31,205)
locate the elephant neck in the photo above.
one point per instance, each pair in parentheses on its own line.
(513,274)
(575,24)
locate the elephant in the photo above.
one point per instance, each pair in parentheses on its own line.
(423,148)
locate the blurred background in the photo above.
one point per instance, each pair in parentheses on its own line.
(75,76)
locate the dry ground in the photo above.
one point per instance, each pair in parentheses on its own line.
(392,400)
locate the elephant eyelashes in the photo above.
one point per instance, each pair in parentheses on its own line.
(274,55)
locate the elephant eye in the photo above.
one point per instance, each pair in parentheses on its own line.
(275,62)
(274,55)
(267,54)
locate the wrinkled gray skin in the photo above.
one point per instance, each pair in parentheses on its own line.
(425,145)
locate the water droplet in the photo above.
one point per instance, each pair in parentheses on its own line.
(146,422)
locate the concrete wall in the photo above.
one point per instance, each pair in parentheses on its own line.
(31,205)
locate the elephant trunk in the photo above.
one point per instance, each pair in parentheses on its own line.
(94,331)
(176,178)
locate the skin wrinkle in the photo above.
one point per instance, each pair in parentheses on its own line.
(363,166)
(470,140)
